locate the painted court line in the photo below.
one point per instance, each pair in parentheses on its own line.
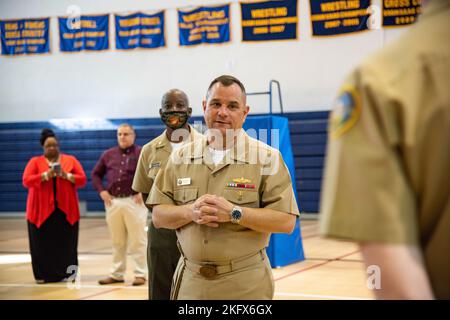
(316,265)
(24,285)
(319,296)
(115,288)
(98,294)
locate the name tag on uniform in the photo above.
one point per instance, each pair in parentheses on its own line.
(183,181)
(155,165)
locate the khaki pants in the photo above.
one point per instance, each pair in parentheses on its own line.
(254,282)
(126,222)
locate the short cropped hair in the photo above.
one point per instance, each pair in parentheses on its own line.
(227,81)
(126,125)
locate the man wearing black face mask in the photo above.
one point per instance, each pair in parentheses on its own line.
(163,253)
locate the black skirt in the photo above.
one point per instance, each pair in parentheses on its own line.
(53,248)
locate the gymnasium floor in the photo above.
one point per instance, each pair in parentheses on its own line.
(332,270)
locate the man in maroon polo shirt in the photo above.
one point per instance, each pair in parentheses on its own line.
(126,214)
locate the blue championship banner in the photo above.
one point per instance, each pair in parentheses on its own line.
(87,33)
(140,30)
(398,13)
(331,17)
(269,20)
(204,25)
(25,36)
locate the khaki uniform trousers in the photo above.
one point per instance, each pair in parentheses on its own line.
(251,279)
(126,222)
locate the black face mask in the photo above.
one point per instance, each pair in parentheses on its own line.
(174,120)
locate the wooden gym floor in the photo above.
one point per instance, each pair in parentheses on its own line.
(332,269)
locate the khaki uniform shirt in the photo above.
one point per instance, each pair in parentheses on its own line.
(252,175)
(387,176)
(153,157)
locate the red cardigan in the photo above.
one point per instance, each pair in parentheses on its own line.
(41,202)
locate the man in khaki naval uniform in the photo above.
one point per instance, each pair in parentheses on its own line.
(162,251)
(387,177)
(224,196)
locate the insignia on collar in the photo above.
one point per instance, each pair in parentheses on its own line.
(346,112)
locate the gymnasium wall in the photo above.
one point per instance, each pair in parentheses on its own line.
(118,84)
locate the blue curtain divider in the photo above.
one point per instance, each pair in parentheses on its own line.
(283,249)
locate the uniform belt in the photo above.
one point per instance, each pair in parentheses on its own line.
(209,270)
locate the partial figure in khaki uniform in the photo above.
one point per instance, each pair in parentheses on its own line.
(162,250)
(387,176)
(224,196)
(126,213)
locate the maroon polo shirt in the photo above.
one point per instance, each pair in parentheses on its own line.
(118,166)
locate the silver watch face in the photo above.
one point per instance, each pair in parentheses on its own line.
(236,214)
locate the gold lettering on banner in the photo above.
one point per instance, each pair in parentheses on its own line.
(401,12)
(269,12)
(11,26)
(144,21)
(351,22)
(339,15)
(12,34)
(85,24)
(88,24)
(130,22)
(260,30)
(83,34)
(136,32)
(35,41)
(205,29)
(332,24)
(186,25)
(33,33)
(133,42)
(277,29)
(266,22)
(35,25)
(151,31)
(211,22)
(405,20)
(339,5)
(209,15)
(396,3)
(194,37)
(150,21)
(213,35)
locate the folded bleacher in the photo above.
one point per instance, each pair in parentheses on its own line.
(20,141)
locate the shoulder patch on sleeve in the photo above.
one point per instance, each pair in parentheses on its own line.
(345,113)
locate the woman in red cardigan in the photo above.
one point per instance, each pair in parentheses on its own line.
(52,210)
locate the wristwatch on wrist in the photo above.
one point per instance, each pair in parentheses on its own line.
(236,215)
